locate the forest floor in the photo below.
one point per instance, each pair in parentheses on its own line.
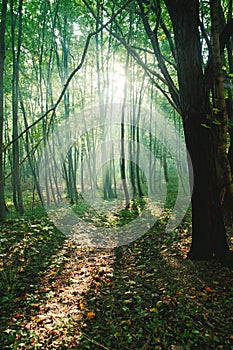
(55,294)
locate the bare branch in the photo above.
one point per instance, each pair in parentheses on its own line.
(154,41)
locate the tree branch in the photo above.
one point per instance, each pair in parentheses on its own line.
(154,41)
(152,74)
(53,109)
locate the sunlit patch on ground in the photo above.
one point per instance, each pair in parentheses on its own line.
(56,294)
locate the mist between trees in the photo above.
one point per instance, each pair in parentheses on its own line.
(59,60)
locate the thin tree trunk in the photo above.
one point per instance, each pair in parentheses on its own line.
(123,159)
(31,161)
(138,172)
(16,181)
(3,209)
(220,115)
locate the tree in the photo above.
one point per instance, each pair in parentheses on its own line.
(16,50)
(196,92)
(180,53)
(3,210)
(209,235)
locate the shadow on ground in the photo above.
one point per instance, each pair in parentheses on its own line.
(158,300)
(57,295)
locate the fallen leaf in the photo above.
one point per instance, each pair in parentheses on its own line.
(90,314)
(16,300)
(81,305)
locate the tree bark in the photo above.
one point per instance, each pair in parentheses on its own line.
(3,210)
(208,231)
(220,115)
(16,181)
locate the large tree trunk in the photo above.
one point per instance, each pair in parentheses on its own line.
(208,231)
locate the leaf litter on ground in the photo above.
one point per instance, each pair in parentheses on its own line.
(55,294)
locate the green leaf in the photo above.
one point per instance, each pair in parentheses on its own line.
(206,126)
(216,110)
(216,122)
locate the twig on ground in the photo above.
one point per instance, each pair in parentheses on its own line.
(94,341)
(147,342)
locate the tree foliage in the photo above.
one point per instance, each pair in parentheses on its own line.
(64,56)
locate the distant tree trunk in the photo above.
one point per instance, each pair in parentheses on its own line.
(3,209)
(152,144)
(123,163)
(32,162)
(165,167)
(123,156)
(102,67)
(208,231)
(16,48)
(132,153)
(138,170)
